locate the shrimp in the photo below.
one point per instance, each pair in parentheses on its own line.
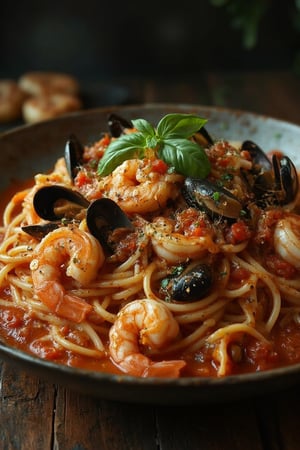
(175,247)
(137,188)
(147,323)
(83,256)
(287,239)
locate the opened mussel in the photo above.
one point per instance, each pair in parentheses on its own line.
(56,202)
(289,178)
(103,216)
(188,284)
(207,196)
(117,124)
(60,205)
(260,160)
(73,156)
(203,138)
(273,182)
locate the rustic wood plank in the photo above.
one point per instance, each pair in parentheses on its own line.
(26,411)
(287,409)
(267,417)
(82,422)
(209,427)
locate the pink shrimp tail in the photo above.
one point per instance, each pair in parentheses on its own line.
(64,305)
(164,369)
(141,366)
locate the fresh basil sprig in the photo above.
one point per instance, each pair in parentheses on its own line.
(170,140)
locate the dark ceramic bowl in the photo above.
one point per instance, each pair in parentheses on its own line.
(30,149)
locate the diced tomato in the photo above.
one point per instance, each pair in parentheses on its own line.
(225,161)
(105,141)
(191,223)
(158,165)
(239,232)
(82,179)
(197,231)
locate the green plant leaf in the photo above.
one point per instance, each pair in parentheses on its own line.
(143,126)
(170,142)
(187,157)
(184,126)
(125,147)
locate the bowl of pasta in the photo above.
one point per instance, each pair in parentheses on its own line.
(150,253)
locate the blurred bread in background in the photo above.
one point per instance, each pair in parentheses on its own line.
(43,83)
(48,106)
(38,96)
(12,98)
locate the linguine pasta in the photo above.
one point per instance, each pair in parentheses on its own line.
(192,289)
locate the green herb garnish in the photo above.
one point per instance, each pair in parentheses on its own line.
(216,196)
(170,141)
(227,176)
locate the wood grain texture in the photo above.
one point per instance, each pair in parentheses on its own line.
(26,411)
(82,422)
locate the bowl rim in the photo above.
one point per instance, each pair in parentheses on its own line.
(289,373)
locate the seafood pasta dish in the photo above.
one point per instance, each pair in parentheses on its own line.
(156,251)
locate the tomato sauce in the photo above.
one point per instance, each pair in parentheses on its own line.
(23,330)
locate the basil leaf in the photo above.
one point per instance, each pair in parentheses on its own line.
(125,147)
(188,158)
(143,126)
(179,126)
(170,142)
(152,142)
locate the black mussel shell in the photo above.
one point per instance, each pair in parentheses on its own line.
(73,155)
(41,230)
(277,186)
(103,216)
(192,284)
(56,202)
(117,124)
(215,200)
(203,138)
(286,177)
(259,158)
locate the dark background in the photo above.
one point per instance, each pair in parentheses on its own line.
(96,40)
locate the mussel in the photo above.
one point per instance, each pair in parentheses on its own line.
(289,178)
(73,155)
(273,182)
(259,158)
(41,230)
(59,205)
(103,216)
(216,201)
(117,124)
(56,202)
(203,138)
(188,284)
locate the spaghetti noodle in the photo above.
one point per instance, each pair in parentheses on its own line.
(200,285)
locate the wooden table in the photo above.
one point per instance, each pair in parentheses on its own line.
(38,415)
